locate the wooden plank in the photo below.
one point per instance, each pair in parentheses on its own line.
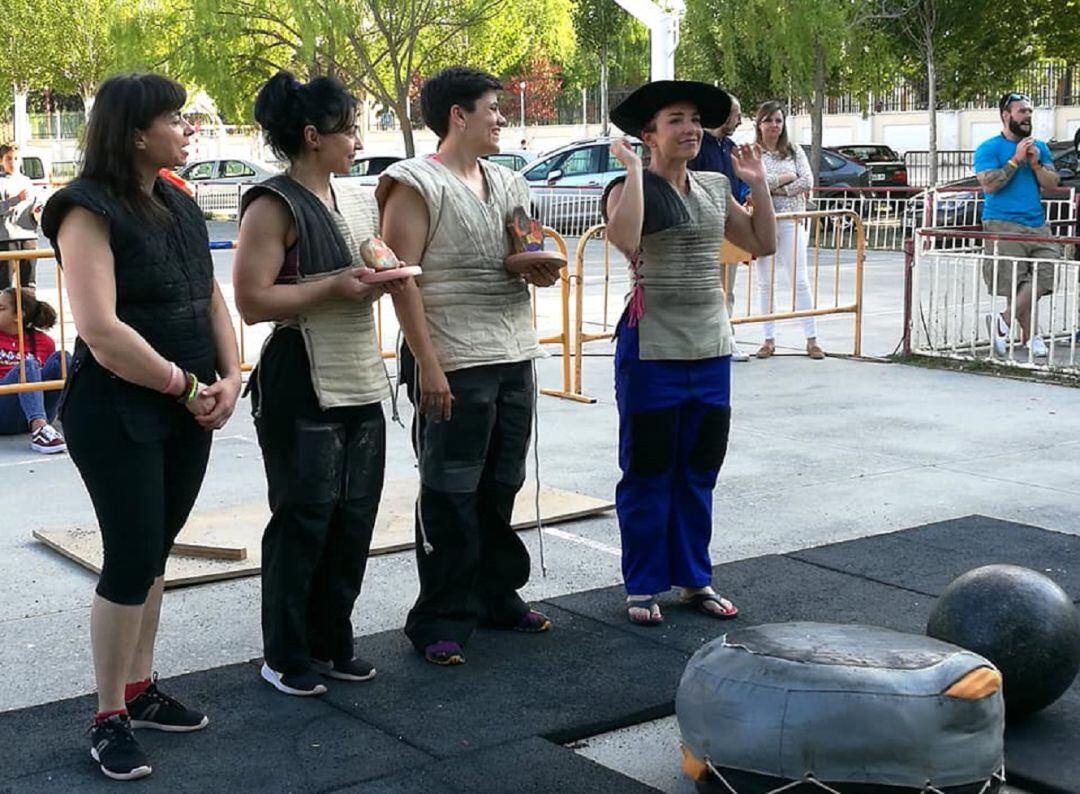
(221,532)
(211,551)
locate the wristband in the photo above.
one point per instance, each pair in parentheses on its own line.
(1011,162)
(191,391)
(176,381)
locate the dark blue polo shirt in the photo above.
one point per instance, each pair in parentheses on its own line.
(715,155)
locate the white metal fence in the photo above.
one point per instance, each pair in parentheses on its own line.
(953,308)
(219,199)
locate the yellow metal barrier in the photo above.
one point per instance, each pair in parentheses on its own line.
(731,256)
(562,338)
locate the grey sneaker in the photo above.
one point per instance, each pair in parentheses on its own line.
(1038,347)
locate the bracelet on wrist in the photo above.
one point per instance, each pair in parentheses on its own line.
(191,389)
(1011,162)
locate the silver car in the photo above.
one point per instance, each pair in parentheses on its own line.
(566,184)
(228,171)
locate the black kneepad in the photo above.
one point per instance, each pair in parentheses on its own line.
(710,446)
(652,441)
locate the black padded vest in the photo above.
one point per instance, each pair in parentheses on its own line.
(164,284)
(320,245)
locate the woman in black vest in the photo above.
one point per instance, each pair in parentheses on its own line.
(143,391)
(317,391)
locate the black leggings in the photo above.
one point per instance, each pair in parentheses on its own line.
(142,492)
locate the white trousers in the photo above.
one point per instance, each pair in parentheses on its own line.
(791,242)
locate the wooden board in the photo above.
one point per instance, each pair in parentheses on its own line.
(220,533)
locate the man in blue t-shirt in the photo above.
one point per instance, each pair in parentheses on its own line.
(715,155)
(1013,168)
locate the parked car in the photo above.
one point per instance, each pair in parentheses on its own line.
(959,202)
(228,171)
(838,171)
(886,167)
(566,184)
(514,159)
(367,167)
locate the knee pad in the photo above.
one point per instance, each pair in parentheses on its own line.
(652,442)
(710,446)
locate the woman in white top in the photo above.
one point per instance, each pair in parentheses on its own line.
(789,179)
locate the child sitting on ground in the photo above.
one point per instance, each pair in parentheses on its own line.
(29,410)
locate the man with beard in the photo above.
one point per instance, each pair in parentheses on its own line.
(715,155)
(1012,168)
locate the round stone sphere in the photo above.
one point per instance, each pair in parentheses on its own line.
(1021,621)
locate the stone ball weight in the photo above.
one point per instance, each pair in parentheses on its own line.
(1021,621)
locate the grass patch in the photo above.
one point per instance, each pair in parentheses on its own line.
(995,369)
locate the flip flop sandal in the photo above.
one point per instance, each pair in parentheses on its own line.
(533,622)
(647,605)
(445,653)
(698,603)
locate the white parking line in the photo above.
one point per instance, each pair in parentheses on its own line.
(592,544)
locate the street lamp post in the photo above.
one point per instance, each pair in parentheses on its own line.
(521,88)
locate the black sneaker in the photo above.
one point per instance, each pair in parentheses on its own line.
(352,670)
(114,747)
(300,684)
(152,708)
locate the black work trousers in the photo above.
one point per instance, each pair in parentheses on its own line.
(324,472)
(471,469)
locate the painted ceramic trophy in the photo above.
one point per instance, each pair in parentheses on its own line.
(527,238)
(384,262)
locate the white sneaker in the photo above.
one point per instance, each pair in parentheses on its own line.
(1038,347)
(737,354)
(999,333)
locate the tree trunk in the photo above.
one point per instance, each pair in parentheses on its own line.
(817,110)
(931,100)
(605,127)
(401,108)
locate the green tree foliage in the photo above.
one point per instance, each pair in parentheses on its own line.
(613,48)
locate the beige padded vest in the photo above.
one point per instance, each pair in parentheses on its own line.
(477,312)
(685,317)
(340,338)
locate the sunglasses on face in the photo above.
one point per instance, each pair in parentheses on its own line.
(1013,97)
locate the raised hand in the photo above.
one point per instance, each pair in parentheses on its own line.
(623,151)
(746,161)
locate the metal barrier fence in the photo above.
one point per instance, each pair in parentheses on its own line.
(951,308)
(219,199)
(570,210)
(827,265)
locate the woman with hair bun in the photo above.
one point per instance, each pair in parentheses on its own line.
(32,360)
(318,387)
(155,369)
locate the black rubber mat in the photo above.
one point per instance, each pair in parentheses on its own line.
(771,589)
(527,766)
(496,723)
(257,740)
(576,680)
(927,558)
